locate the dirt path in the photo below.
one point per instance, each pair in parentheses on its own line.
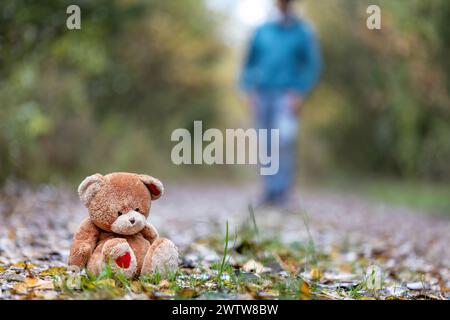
(332,219)
(37,226)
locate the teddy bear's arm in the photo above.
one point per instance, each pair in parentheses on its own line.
(84,242)
(150,233)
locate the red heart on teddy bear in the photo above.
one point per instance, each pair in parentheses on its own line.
(124,261)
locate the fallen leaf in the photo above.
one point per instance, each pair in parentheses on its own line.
(253,266)
(443,287)
(46,295)
(188,293)
(161,295)
(267,294)
(54,271)
(315,274)
(106,283)
(339,276)
(22,265)
(38,284)
(417,286)
(164,284)
(45,285)
(252,288)
(346,267)
(394,298)
(148,286)
(31,282)
(20,288)
(304,291)
(136,286)
(288,263)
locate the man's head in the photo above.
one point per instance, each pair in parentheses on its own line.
(284,5)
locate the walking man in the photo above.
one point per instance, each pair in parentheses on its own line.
(281,68)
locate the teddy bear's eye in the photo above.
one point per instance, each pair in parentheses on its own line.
(119,213)
(137,210)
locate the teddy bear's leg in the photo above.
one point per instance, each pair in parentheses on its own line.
(162,257)
(120,256)
(96,264)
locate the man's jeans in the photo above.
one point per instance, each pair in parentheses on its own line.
(274,110)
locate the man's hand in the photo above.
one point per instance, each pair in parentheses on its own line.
(251,99)
(296,102)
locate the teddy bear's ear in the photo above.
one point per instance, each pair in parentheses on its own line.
(89,187)
(153,185)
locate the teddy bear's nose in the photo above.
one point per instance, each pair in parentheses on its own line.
(132,220)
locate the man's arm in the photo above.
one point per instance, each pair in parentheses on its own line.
(246,80)
(311,63)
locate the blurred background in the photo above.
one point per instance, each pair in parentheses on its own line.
(107,97)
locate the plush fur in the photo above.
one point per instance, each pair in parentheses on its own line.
(116,230)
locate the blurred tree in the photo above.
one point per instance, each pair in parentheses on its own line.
(106,97)
(389,88)
(70,99)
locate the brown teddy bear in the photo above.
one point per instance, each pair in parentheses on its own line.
(116,231)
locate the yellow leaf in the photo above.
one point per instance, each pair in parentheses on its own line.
(187,293)
(11,234)
(315,274)
(288,263)
(305,291)
(20,288)
(31,282)
(22,264)
(54,271)
(2,269)
(136,286)
(148,286)
(252,287)
(45,285)
(168,292)
(394,298)
(443,286)
(346,267)
(38,284)
(106,283)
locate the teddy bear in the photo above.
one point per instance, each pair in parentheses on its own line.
(116,231)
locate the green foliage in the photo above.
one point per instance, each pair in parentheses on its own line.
(107,97)
(384,104)
(71,99)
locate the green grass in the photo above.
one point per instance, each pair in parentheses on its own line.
(224,256)
(423,196)
(429,197)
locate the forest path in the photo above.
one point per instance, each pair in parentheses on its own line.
(411,248)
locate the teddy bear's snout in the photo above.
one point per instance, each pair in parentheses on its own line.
(129,223)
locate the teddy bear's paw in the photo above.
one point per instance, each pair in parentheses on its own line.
(162,258)
(122,259)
